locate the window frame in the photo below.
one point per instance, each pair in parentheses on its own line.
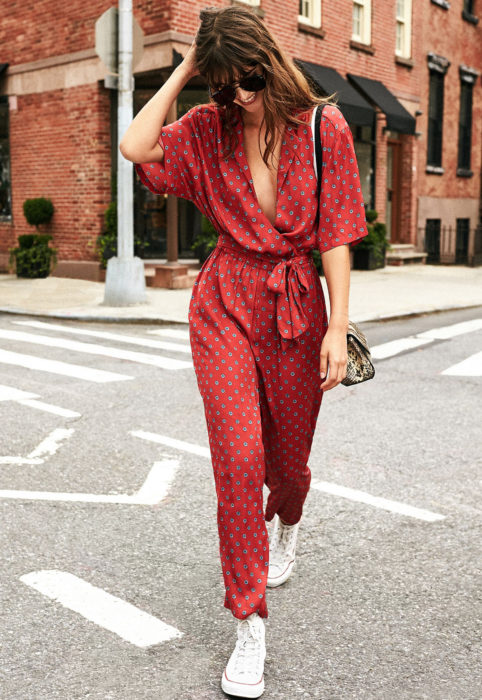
(7,214)
(365,35)
(314,18)
(406,22)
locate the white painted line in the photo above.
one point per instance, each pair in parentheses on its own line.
(107,335)
(49,408)
(384,503)
(153,491)
(57,367)
(94,349)
(52,442)
(171,333)
(9,393)
(172,442)
(20,460)
(445,332)
(470,367)
(393,347)
(104,609)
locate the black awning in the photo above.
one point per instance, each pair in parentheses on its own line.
(398,118)
(354,107)
(3,67)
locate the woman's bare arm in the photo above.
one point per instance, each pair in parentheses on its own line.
(140,144)
(333,356)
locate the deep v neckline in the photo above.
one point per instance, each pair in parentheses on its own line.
(249,174)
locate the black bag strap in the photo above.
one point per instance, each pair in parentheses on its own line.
(318,152)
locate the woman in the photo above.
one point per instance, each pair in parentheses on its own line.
(258,323)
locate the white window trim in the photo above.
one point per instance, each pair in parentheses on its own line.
(314,20)
(407,20)
(366,33)
(250,2)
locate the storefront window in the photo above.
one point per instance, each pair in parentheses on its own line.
(151,210)
(5,197)
(364,143)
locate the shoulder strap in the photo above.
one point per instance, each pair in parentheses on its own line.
(318,154)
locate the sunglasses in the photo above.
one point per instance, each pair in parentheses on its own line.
(227,94)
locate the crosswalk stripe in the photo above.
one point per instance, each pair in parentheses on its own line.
(49,408)
(172,442)
(470,367)
(453,330)
(384,503)
(57,367)
(102,608)
(393,347)
(153,491)
(93,349)
(107,335)
(171,333)
(52,442)
(10,393)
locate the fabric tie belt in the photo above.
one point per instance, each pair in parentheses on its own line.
(289,282)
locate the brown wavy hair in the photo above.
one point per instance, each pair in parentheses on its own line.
(230,39)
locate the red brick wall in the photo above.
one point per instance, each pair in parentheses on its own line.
(60,149)
(30,32)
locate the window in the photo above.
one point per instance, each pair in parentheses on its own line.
(438,67)
(462,242)
(469,6)
(250,2)
(310,12)
(5,193)
(403,28)
(432,240)
(467,79)
(361,21)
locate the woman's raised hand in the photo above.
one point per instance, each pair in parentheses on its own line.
(189,63)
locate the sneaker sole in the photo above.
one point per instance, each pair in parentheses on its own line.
(241,690)
(279,580)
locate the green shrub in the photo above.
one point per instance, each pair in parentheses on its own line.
(33,257)
(38,211)
(376,239)
(107,241)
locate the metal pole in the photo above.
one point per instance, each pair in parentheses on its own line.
(125,281)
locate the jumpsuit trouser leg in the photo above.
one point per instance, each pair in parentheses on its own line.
(261,398)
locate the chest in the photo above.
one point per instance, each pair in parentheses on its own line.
(264,177)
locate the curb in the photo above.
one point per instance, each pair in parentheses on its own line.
(157,320)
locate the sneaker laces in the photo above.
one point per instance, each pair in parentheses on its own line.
(284,539)
(249,640)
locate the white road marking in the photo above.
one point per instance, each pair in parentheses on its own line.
(57,367)
(470,367)
(384,503)
(46,448)
(49,408)
(106,335)
(171,333)
(172,442)
(393,347)
(153,491)
(94,349)
(104,609)
(52,442)
(451,331)
(9,393)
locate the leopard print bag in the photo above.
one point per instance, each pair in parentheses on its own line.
(359,365)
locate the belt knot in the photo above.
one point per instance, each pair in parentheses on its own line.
(288,281)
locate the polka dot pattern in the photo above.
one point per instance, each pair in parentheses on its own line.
(257,317)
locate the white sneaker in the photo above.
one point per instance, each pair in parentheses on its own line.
(282,548)
(244,673)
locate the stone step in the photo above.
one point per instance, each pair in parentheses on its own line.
(404,254)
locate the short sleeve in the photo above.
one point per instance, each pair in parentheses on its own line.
(342,210)
(180,171)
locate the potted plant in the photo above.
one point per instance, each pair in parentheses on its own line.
(33,257)
(370,252)
(205,241)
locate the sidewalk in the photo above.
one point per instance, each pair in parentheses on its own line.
(374,295)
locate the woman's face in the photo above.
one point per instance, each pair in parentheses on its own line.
(250,101)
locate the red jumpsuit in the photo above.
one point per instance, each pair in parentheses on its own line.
(257,317)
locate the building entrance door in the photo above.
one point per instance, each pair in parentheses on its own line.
(392,217)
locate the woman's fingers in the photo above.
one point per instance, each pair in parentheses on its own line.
(337,372)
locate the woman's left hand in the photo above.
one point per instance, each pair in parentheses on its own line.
(333,356)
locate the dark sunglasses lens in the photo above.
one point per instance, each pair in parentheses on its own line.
(224,96)
(253,83)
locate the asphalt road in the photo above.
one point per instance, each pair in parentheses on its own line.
(110,580)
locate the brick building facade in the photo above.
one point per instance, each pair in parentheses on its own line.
(408,81)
